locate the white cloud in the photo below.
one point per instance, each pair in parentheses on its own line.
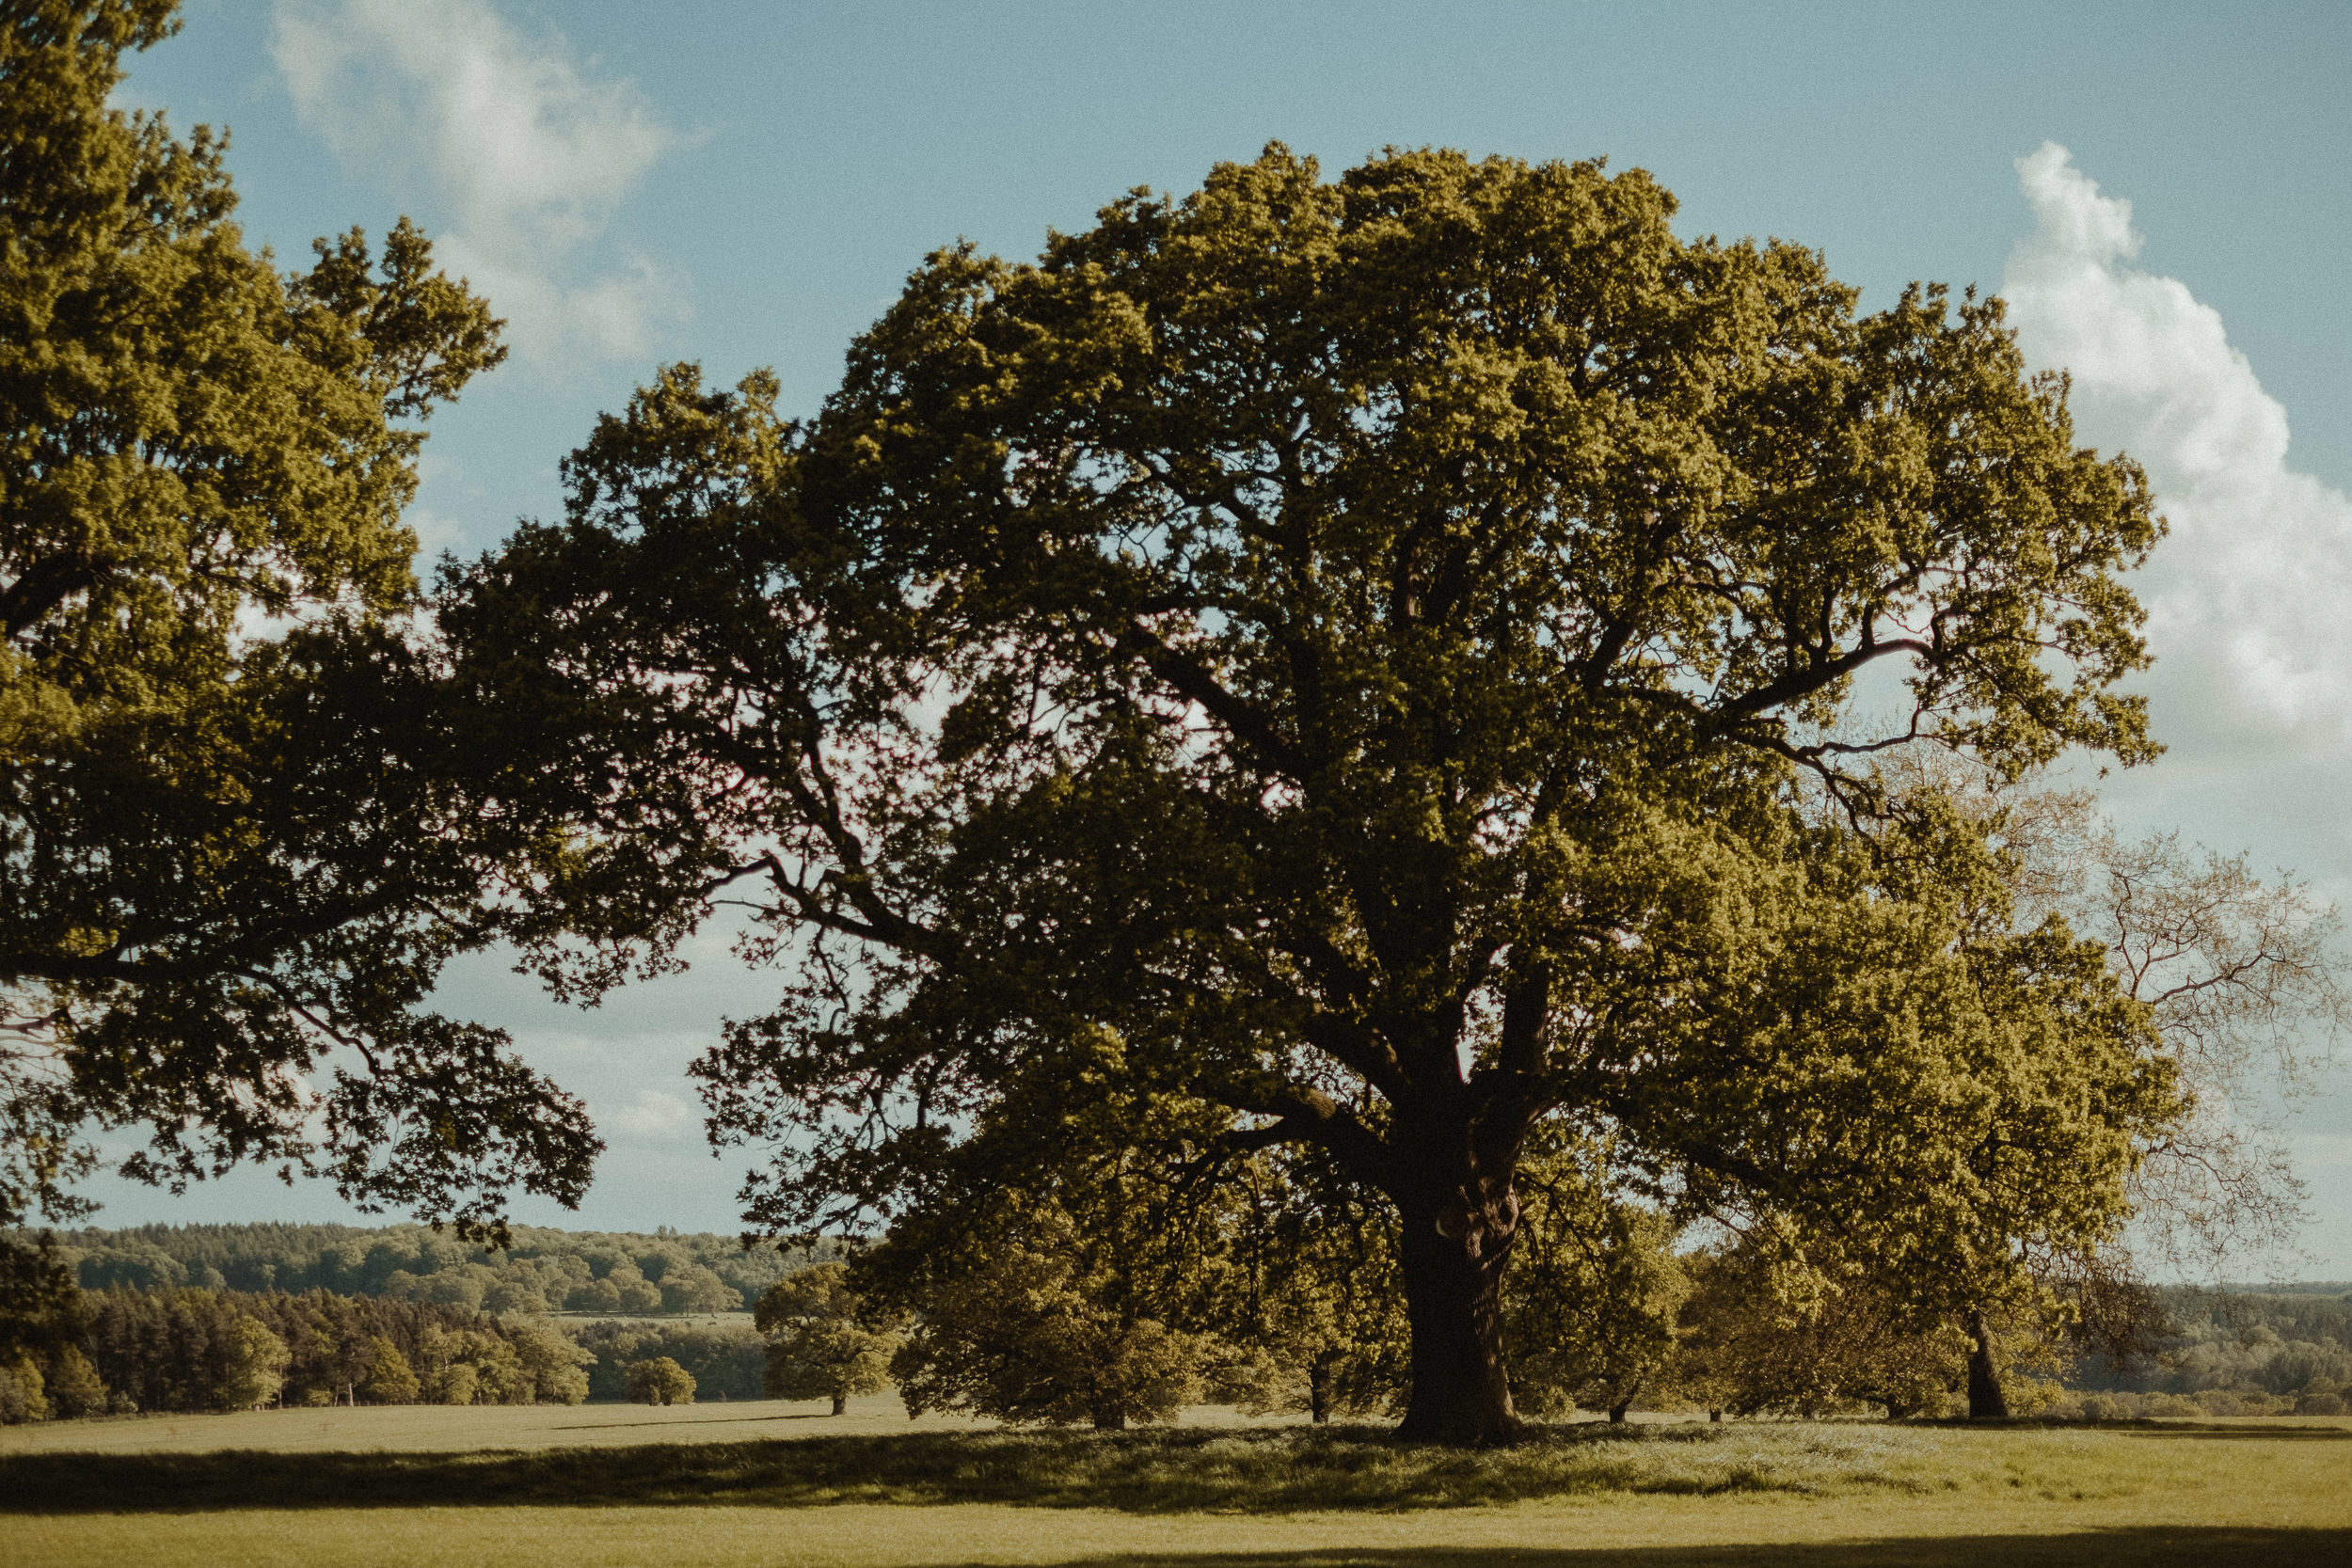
(525,151)
(2252,688)
(655,1115)
(2246,596)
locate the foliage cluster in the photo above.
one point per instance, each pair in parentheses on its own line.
(541,1269)
(818,1346)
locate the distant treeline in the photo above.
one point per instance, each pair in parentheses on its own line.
(132,1345)
(192,1349)
(616,1273)
(2290,1345)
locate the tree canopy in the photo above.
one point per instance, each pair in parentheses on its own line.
(234,860)
(821,1346)
(1366,664)
(659,1380)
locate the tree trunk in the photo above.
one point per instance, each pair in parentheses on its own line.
(1715,1416)
(1110,1420)
(1616,1411)
(840,1403)
(1986,1400)
(1453,1263)
(1319,1390)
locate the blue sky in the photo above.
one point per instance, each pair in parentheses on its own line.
(747,185)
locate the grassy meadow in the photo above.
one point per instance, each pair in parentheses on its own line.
(784,1485)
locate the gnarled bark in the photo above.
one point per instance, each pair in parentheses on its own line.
(1986,1399)
(1453,1258)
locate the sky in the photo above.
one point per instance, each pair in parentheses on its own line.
(2159,190)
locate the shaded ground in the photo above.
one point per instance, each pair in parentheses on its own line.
(1681,1534)
(1662,1495)
(2187,1548)
(1255,1470)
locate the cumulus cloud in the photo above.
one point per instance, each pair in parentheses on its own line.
(523,150)
(2252,688)
(2245,597)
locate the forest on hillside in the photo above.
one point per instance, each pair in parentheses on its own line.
(184,1349)
(619,1274)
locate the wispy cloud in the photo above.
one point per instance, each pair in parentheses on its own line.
(2246,596)
(656,1116)
(522,150)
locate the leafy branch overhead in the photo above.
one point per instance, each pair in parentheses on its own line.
(238,849)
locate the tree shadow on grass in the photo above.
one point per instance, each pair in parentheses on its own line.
(698,1423)
(1258,1470)
(2151,1547)
(2267,1433)
(1245,1471)
(2145,1426)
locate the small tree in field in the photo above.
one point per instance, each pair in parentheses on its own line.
(660,1381)
(388,1379)
(819,1350)
(2245,985)
(256,1365)
(1311,1303)
(1030,1329)
(1594,1291)
(1758,1335)
(74,1385)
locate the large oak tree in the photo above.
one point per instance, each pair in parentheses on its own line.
(1359,664)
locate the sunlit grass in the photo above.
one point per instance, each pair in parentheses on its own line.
(441,1428)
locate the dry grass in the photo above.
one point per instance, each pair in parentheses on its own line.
(1667,1496)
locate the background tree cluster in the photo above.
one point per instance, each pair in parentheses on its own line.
(189,1349)
(192,1349)
(541,1268)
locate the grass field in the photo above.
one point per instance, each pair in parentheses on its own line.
(677,1488)
(429,1427)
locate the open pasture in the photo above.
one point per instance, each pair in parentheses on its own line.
(441,1428)
(688,1487)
